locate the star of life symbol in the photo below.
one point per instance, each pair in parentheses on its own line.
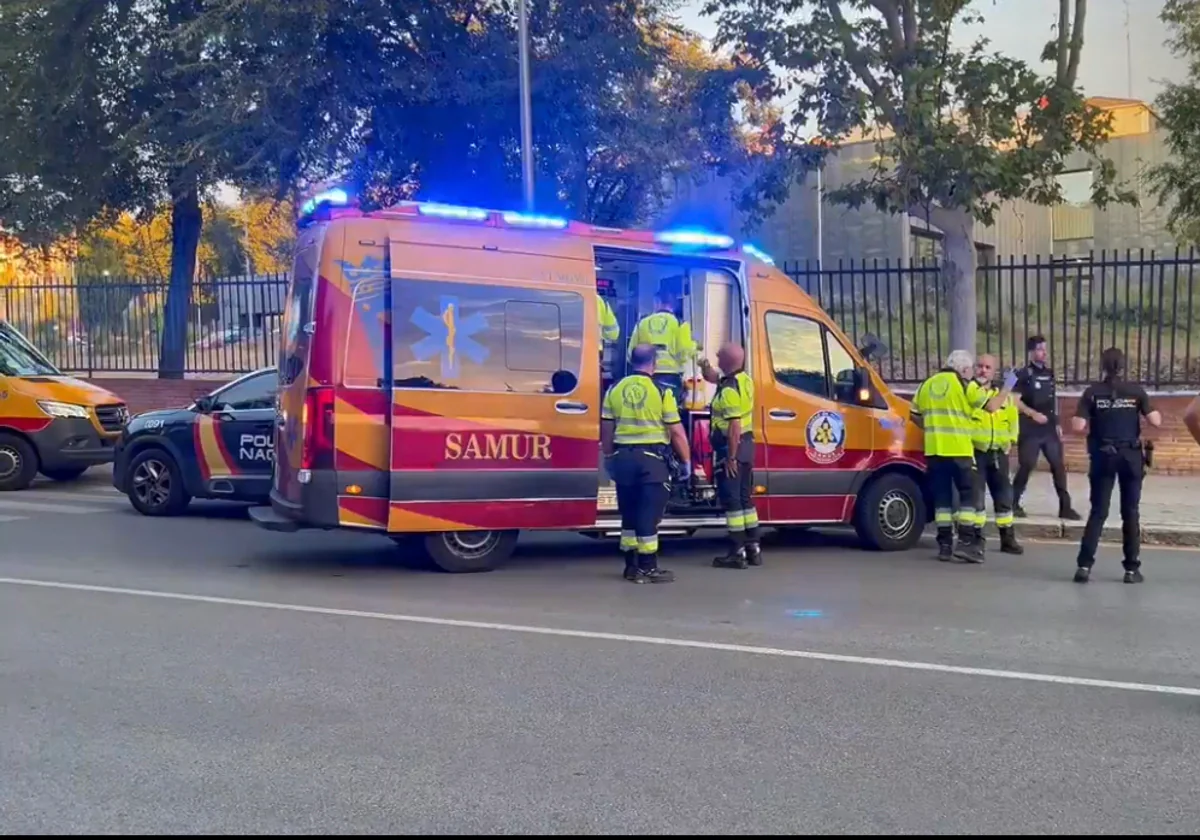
(448,335)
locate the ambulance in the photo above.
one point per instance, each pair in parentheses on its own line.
(442,370)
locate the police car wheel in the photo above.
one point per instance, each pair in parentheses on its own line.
(890,513)
(64,473)
(18,463)
(156,485)
(467,552)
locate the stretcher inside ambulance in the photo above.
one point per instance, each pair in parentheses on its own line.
(442,372)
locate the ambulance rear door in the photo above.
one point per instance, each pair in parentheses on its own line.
(495,381)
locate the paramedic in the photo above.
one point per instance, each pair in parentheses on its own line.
(671,339)
(995,433)
(943,407)
(638,421)
(1111,411)
(733,449)
(610,330)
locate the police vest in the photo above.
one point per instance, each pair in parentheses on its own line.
(996,430)
(947,405)
(641,411)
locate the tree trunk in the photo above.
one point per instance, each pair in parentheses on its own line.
(186,224)
(959,266)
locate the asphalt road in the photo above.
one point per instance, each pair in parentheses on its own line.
(200,675)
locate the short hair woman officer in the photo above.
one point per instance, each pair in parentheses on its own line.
(1111,411)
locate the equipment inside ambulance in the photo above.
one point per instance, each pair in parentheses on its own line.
(50,423)
(439,378)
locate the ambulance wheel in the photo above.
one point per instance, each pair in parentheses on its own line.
(890,513)
(467,552)
(18,462)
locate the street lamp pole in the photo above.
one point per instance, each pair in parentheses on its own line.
(526,107)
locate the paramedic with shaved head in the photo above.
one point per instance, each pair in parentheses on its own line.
(944,407)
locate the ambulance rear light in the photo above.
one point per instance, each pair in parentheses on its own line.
(757,253)
(532,220)
(317,422)
(453,211)
(694,239)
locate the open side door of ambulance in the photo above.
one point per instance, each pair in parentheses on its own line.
(495,383)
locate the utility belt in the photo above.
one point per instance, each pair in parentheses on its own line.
(658,450)
(720,445)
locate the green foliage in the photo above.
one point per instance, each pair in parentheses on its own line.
(958,129)
(1177,181)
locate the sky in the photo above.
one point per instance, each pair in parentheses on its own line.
(1021,28)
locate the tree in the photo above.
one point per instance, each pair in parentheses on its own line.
(120,105)
(958,131)
(622,101)
(1177,181)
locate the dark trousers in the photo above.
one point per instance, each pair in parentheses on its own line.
(1032,442)
(991,476)
(736,494)
(1123,467)
(643,486)
(949,476)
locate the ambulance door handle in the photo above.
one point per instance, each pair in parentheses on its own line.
(782,414)
(568,407)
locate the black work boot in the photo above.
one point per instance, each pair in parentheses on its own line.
(1134,576)
(1065,511)
(648,571)
(1008,542)
(1083,574)
(979,539)
(1019,511)
(945,540)
(631,565)
(735,558)
(967,550)
(754,554)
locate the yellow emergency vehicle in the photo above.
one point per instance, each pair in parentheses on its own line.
(439,377)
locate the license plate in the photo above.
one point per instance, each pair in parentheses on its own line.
(607,499)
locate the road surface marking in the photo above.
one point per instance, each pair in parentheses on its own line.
(66,495)
(44,507)
(613,637)
(12,518)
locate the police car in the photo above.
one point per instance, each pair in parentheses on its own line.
(219,447)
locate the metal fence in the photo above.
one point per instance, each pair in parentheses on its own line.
(1144,303)
(114,325)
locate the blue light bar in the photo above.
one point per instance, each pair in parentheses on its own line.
(758,254)
(453,211)
(694,239)
(335,196)
(534,221)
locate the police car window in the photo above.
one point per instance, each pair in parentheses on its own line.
(475,337)
(841,370)
(253,393)
(797,356)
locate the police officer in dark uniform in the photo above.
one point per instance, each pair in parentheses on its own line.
(733,449)
(1110,411)
(639,424)
(1040,431)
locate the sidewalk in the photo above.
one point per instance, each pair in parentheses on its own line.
(1170,510)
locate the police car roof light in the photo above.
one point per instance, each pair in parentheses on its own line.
(533,220)
(453,211)
(694,239)
(758,254)
(335,196)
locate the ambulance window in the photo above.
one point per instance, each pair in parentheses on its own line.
(475,337)
(253,392)
(841,370)
(797,356)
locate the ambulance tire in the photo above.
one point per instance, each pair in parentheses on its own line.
(18,462)
(469,552)
(890,513)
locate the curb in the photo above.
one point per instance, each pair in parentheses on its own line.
(1045,528)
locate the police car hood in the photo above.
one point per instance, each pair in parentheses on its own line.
(161,417)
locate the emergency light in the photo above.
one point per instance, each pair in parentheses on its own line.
(694,239)
(532,220)
(337,196)
(758,254)
(453,211)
